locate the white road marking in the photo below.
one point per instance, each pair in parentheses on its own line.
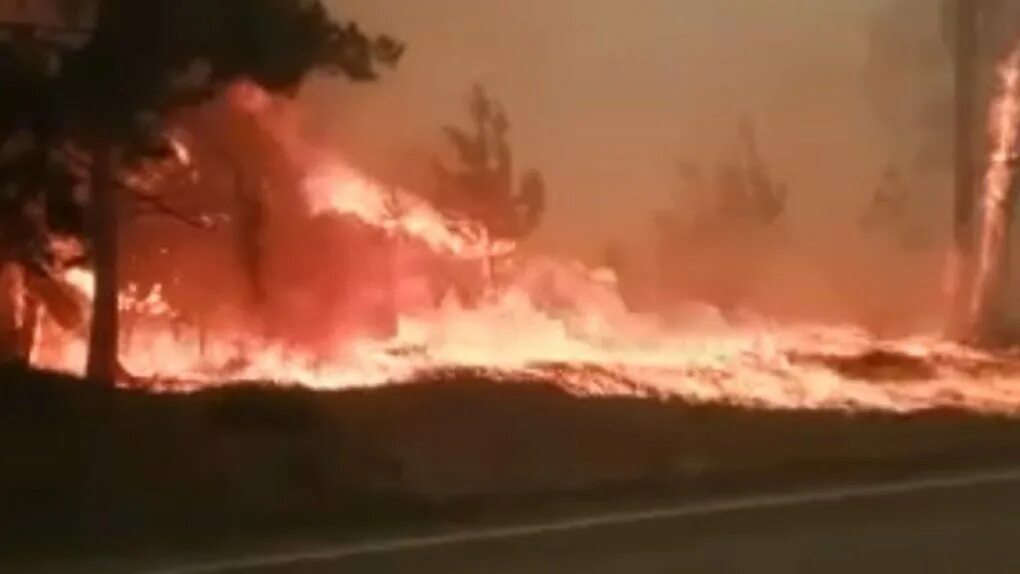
(694,509)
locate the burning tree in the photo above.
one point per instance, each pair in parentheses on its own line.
(38,192)
(232,141)
(481,188)
(932,82)
(980,32)
(110,101)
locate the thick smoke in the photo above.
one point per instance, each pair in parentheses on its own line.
(909,76)
(911,85)
(608,124)
(608,121)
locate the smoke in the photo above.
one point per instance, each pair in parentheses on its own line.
(607,122)
(908,76)
(606,99)
(839,91)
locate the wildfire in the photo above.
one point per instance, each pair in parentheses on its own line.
(594,351)
(1004,129)
(560,322)
(336,188)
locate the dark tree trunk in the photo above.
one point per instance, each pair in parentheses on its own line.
(103,362)
(9,293)
(389,324)
(251,223)
(29,328)
(965,84)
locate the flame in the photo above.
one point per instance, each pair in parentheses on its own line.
(561,322)
(590,347)
(337,188)
(1004,128)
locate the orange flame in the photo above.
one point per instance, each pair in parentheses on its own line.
(591,348)
(561,322)
(1004,127)
(336,188)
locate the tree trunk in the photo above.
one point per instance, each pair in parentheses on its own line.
(10,293)
(28,331)
(251,223)
(103,362)
(965,83)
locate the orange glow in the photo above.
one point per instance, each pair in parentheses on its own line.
(559,322)
(1004,129)
(556,321)
(591,347)
(336,188)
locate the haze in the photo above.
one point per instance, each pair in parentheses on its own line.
(606,96)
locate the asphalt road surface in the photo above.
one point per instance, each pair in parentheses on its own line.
(967,524)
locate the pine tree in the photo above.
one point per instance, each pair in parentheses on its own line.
(109,99)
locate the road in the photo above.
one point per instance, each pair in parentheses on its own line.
(950,524)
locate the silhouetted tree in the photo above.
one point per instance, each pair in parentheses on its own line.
(37,187)
(481,187)
(111,97)
(765,198)
(703,237)
(256,163)
(930,72)
(742,193)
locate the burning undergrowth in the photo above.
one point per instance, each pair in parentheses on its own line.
(590,353)
(360,284)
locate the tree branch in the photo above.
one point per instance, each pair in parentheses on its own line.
(165,209)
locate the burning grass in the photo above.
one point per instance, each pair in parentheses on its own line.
(590,346)
(540,382)
(542,319)
(429,293)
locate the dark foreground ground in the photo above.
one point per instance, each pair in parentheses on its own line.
(970,529)
(88,473)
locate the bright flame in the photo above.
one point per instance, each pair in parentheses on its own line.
(1004,128)
(560,322)
(339,189)
(591,347)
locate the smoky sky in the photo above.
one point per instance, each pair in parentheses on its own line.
(606,96)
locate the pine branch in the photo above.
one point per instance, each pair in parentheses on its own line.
(163,208)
